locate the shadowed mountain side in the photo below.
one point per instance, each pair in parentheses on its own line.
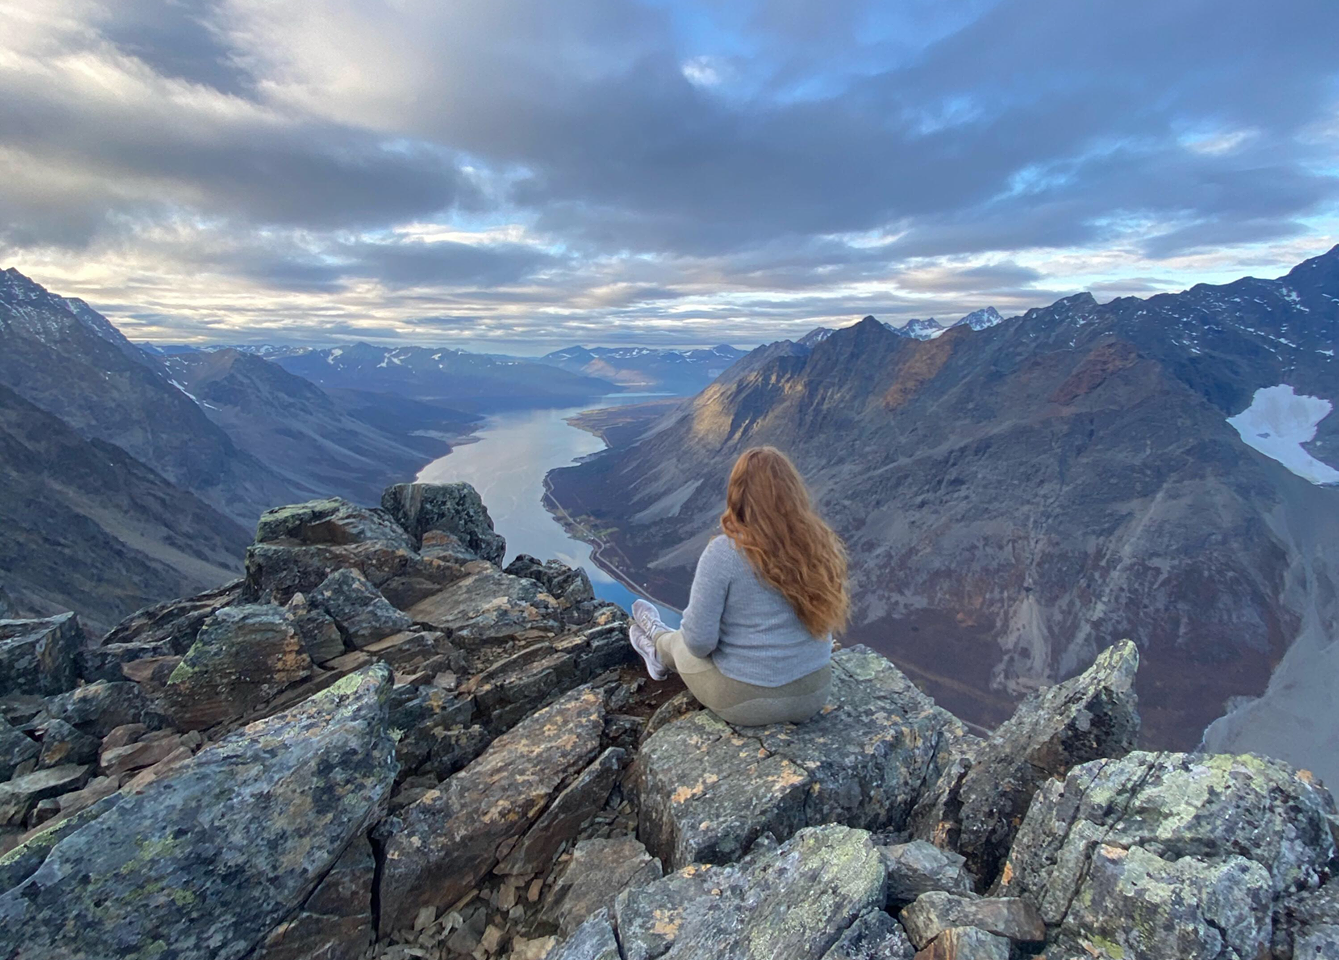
(89,528)
(313,441)
(1017,497)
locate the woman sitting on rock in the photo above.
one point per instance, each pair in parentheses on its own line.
(756,642)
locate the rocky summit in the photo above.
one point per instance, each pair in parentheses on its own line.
(381,744)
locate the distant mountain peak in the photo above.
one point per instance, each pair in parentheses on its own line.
(981,319)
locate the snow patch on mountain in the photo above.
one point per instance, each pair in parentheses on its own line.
(1278,422)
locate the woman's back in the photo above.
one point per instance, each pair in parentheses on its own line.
(748,627)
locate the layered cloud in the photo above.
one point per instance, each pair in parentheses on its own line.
(610,170)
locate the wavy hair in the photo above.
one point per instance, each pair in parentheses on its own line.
(769,517)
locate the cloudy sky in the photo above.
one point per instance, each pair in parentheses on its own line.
(520,174)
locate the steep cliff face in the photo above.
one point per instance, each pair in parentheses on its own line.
(381,744)
(1017,497)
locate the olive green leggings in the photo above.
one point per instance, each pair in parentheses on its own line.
(743,704)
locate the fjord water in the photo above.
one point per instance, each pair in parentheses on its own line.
(507,465)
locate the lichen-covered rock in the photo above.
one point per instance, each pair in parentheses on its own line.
(15,748)
(439,847)
(489,606)
(918,867)
(362,614)
(593,940)
(165,629)
(276,571)
(875,936)
(244,656)
(570,810)
(99,708)
(433,727)
(708,790)
(333,521)
(597,873)
(1309,928)
(934,912)
(985,791)
(966,943)
(795,901)
(62,744)
(40,656)
(318,632)
(453,508)
(567,585)
(204,864)
(336,921)
(1159,855)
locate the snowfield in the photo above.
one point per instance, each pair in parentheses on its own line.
(1278,422)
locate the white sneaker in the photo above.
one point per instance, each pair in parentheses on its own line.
(646,647)
(648,617)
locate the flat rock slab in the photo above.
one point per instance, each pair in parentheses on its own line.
(937,911)
(39,656)
(708,790)
(1160,855)
(333,521)
(966,943)
(441,845)
(796,901)
(597,873)
(489,605)
(19,795)
(188,868)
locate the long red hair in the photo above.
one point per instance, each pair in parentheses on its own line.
(769,516)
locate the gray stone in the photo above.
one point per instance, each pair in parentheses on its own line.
(934,912)
(168,628)
(708,790)
(318,632)
(243,657)
(570,810)
(153,877)
(919,867)
(62,744)
(593,940)
(20,795)
(22,862)
(597,873)
(336,921)
(567,585)
(966,943)
(15,748)
(438,848)
(40,656)
(1158,855)
(981,799)
(489,606)
(433,727)
(875,936)
(334,522)
(99,708)
(453,508)
(362,614)
(274,572)
(795,901)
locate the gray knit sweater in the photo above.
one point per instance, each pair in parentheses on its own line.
(745,625)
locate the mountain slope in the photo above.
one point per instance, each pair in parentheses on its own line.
(1019,496)
(469,380)
(648,369)
(67,359)
(89,528)
(316,443)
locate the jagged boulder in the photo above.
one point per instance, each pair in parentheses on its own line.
(489,606)
(1159,855)
(16,749)
(935,912)
(433,727)
(597,873)
(987,786)
(204,864)
(874,936)
(567,585)
(708,790)
(316,629)
(359,610)
(165,629)
(276,571)
(40,656)
(439,847)
(918,867)
(243,657)
(20,795)
(452,508)
(63,744)
(795,901)
(334,522)
(99,708)
(967,943)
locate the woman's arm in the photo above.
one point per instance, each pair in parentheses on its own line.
(706,600)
